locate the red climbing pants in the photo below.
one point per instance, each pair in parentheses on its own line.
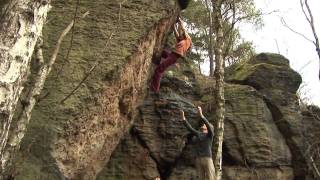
(158,72)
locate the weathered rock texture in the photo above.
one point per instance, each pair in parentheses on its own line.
(110,129)
(263,125)
(271,75)
(159,129)
(76,137)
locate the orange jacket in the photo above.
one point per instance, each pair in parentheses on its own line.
(184,45)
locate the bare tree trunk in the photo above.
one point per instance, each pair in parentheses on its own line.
(310,20)
(21,23)
(229,33)
(210,40)
(210,50)
(219,89)
(199,67)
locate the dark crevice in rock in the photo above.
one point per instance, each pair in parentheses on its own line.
(162,115)
(241,150)
(283,126)
(227,159)
(246,82)
(135,134)
(163,169)
(171,166)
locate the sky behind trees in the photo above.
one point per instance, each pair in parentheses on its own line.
(275,37)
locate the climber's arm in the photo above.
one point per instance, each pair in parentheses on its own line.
(206,122)
(181,26)
(176,34)
(187,124)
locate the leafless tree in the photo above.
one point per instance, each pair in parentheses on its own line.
(309,17)
(310,20)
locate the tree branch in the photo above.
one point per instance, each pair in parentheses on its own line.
(97,62)
(86,76)
(304,12)
(283,22)
(311,22)
(230,39)
(66,59)
(275,40)
(315,167)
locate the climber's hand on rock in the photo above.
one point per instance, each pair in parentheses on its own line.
(200,111)
(178,19)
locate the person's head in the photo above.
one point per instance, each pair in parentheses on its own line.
(180,38)
(157,178)
(204,129)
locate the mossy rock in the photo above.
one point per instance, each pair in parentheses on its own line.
(207,98)
(142,27)
(266,71)
(270,58)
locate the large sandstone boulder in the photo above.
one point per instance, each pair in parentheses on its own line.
(272,76)
(75,137)
(251,135)
(262,134)
(159,128)
(266,71)
(136,158)
(109,128)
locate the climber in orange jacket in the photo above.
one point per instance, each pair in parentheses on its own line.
(182,47)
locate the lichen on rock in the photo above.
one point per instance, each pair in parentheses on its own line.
(262,137)
(113,127)
(78,135)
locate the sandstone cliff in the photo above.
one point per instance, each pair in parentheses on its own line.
(75,138)
(112,128)
(263,126)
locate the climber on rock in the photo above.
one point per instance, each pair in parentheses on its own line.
(182,47)
(203,142)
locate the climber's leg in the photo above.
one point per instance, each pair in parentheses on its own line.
(171,59)
(165,53)
(209,169)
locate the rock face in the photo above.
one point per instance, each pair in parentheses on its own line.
(271,75)
(74,136)
(110,128)
(159,129)
(263,125)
